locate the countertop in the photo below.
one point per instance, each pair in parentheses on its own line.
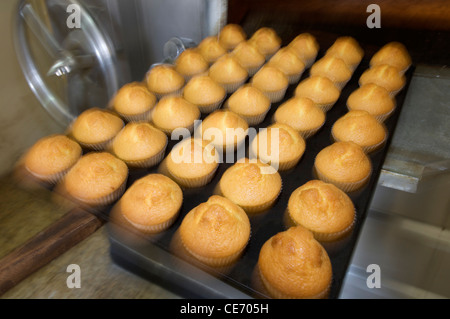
(24,212)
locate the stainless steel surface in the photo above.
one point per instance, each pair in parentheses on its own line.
(406,232)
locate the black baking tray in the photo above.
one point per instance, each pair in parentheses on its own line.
(154,258)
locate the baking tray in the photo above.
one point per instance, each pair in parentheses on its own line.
(154,258)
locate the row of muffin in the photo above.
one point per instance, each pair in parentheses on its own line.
(116,124)
(107,173)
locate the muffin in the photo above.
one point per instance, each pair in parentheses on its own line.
(228,72)
(224,129)
(360,128)
(190,62)
(250,104)
(139,144)
(394,54)
(343,164)
(204,92)
(301,114)
(385,76)
(347,49)
(321,90)
(249,57)
(374,99)
(175,112)
(192,162)
(289,63)
(323,209)
(97,179)
(333,68)
(278,145)
(272,82)
(294,265)
(231,35)
(266,40)
(50,158)
(211,49)
(151,204)
(215,232)
(134,102)
(163,80)
(251,184)
(306,47)
(94,128)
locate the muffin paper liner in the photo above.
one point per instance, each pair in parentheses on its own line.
(142,117)
(215,262)
(194,182)
(149,162)
(325,106)
(294,78)
(366,148)
(232,87)
(346,187)
(276,96)
(209,108)
(276,294)
(102,201)
(153,229)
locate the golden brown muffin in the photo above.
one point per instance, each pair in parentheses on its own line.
(343,164)
(163,80)
(228,72)
(211,49)
(361,128)
(347,49)
(134,102)
(173,112)
(97,179)
(204,92)
(266,40)
(289,63)
(333,68)
(374,99)
(251,184)
(190,62)
(225,129)
(321,90)
(192,162)
(215,232)
(249,57)
(272,82)
(394,54)
(231,35)
(249,103)
(306,47)
(301,114)
(294,265)
(151,204)
(322,208)
(278,145)
(139,144)
(385,76)
(95,128)
(50,158)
